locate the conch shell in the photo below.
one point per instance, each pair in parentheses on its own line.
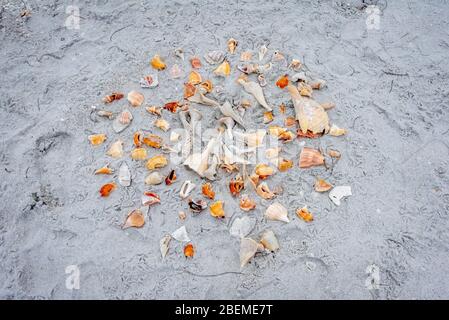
(232,45)
(135,219)
(96,139)
(309,113)
(154,178)
(186,188)
(248,248)
(157,63)
(256,90)
(207,191)
(216,209)
(224,69)
(246,204)
(277,212)
(116,149)
(122,121)
(150,198)
(156,162)
(227,110)
(322,185)
(135,98)
(200,98)
(264,191)
(310,157)
(269,241)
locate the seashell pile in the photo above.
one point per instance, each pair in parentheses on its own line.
(239,190)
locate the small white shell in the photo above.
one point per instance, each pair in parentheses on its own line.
(164,244)
(214,57)
(186,188)
(241,227)
(277,212)
(248,248)
(262,51)
(124,175)
(181,234)
(269,240)
(174,137)
(340,192)
(122,121)
(154,178)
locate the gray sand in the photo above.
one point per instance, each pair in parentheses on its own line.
(391,91)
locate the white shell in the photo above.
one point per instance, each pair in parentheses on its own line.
(338,193)
(179,53)
(174,137)
(124,176)
(241,227)
(277,212)
(164,244)
(186,188)
(154,178)
(269,240)
(248,248)
(214,57)
(122,121)
(299,76)
(116,149)
(175,71)
(150,81)
(262,51)
(227,110)
(256,90)
(181,234)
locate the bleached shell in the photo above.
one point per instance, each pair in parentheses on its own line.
(162,124)
(164,244)
(174,137)
(272,153)
(300,76)
(248,248)
(262,51)
(269,240)
(241,227)
(181,234)
(116,149)
(122,121)
(214,57)
(277,212)
(154,178)
(336,131)
(124,175)
(186,188)
(340,192)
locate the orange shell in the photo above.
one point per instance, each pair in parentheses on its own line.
(96,139)
(154,110)
(134,219)
(104,170)
(216,209)
(189,251)
(207,190)
(287,136)
(157,63)
(207,85)
(285,164)
(156,162)
(236,185)
(137,139)
(194,78)
(112,97)
(172,106)
(195,62)
(246,204)
(106,189)
(153,141)
(139,154)
(268,116)
(224,69)
(282,82)
(189,90)
(290,121)
(263,171)
(304,214)
(310,157)
(322,185)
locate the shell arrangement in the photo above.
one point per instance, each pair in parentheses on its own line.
(231,150)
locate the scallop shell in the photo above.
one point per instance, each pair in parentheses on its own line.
(135,98)
(164,244)
(97,139)
(277,212)
(269,240)
(122,121)
(181,235)
(216,209)
(248,248)
(223,70)
(157,63)
(139,154)
(186,188)
(162,124)
(214,57)
(116,149)
(310,157)
(156,162)
(232,45)
(304,214)
(338,193)
(241,227)
(149,81)
(322,185)
(264,191)
(124,175)
(154,178)
(150,198)
(135,219)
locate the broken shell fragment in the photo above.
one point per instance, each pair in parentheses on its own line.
(207,85)
(284,164)
(96,139)
(181,235)
(104,170)
(179,53)
(282,108)
(162,124)
(124,175)
(116,149)
(277,212)
(246,204)
(189,90)
(195,62)
(223,70)
(282,81)
(295,65)
(197,205)
(336,131)
(269,241)
(232,45)
(338,193)
(268,117)
(216,209)
(157,63)
(248,248)
(172,106)
(262,80)
(150,198)
(174,137)
(134,219)
(246,56)
(186,188)
(175,71)
(194,78)
(113,97)
(137,139)
(236,185)
(304,214)
(310,157)
(304,89)
(318,84)
(154,178)
(170,178)
(262,51)
(135,98)
(214,57)
(153,141)
(327,105)
(182,215)
(290,121)
(241,227)
(157,111)
(272,153)
(156,162)
(106,114)
(149,81)
(164,244)
(189,251)
(207,191)
(263,171)
(264,191)
(107,188)
(122,121)
(287,136)
(322,185)
(334,153)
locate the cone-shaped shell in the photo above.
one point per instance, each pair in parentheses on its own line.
(277,212)
(248,248)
